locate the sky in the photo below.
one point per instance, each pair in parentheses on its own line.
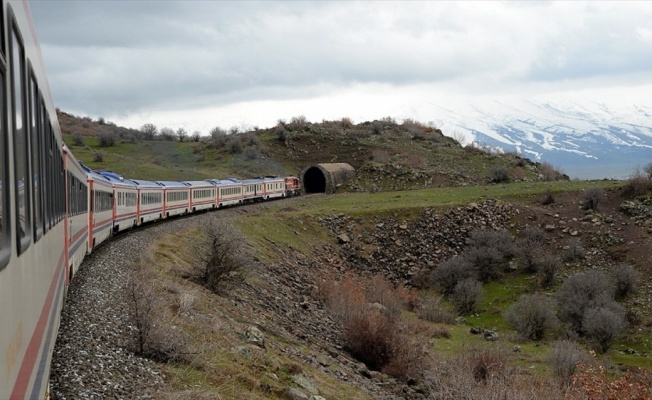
(204,64)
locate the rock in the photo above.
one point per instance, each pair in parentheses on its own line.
(305,383)
(296,394)
(343,238)
(476,330)
(491,336)
(516,349)
(255,336)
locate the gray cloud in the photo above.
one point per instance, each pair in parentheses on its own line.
(123,57)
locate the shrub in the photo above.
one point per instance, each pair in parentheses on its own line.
(530,243)
(77,139)
(381,291)
(592,198)
(369,337)
(381,156)
(196,135)
(450,273)
(218,137)
(250,154)
(592,382)
(98,156)
(500,240)
(297,123)
(637,185)
(467,295)
(548,198)
(546,267)
(234,145)
(488,364)
(565,358)
(580,292)
(625,278)
(499,174)
(532,316)
(346,122)
(550,173)
(573,251)
(220,250)
(603,325)
(486,262)
(433,309)
(167,134)
(377,127)
(107,139)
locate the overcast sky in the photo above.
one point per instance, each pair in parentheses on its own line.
(201,64)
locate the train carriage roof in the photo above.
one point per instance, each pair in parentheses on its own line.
(196,184)
(171,184)
(143,184)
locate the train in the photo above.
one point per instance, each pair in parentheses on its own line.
(54,210)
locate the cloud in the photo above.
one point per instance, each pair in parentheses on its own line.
(150,57)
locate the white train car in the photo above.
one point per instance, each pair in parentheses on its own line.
(273,187)
(125,202)
(100,213)
(77,195)
(229,192)
(150,201)
(203,195)
(252,190)
(176,198)
(33,256)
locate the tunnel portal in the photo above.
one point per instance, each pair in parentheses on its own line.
(325,178)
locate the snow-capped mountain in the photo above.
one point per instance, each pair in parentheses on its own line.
(585,140)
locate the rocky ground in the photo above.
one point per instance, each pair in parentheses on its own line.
(93,359)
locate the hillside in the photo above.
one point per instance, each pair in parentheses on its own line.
(387,155)
(387,293)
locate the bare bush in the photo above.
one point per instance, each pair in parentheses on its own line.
(638,184)
(346,122)
(573,251)
(148,131)
(499,174)
(369,337)
(182,134)
(625,278)
(381,291)
(167,134)
(532,316)
(603,325)
(98,155)
(488,364)
(250,153)
(77,139)
(297,123)
(565,358)
(196,135)
(467,295)
(433,309)
(142,301)
(106,139)
(550,173)
(218,137)
(234,145)
(530,243)
(546,267)
(220,251)
(580,292)
(486,262)
(591,198)
(500,240)
(450,273)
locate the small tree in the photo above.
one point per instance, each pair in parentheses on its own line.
(182,134)
(625,278)
(107,139)
(98,155)
(500,240)
(196,135)
(530,243)
(532,316)
(167,134)
(467,295)
(486,262)
(77,139)
(148,131)
(582,291)
(546,267)
(218,137)
(142,301)
(499,174)
(221,251)
(603,325)
(450,273)
(565,358)
(592,198)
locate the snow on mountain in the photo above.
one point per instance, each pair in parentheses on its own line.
(585,140)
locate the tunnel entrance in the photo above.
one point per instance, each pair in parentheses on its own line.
(314,180)
(325,178)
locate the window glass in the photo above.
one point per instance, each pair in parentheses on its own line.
(36,177)
(21,148)
(4,215)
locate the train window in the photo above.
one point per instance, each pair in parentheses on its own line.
(5,250)
(21,145)
(37,184)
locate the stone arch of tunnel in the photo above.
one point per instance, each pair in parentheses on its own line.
(325,178)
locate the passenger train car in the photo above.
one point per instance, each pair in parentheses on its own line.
(54,210)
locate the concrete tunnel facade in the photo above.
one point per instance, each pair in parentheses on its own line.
(325,178)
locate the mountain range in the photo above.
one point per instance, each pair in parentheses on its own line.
(587,140)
